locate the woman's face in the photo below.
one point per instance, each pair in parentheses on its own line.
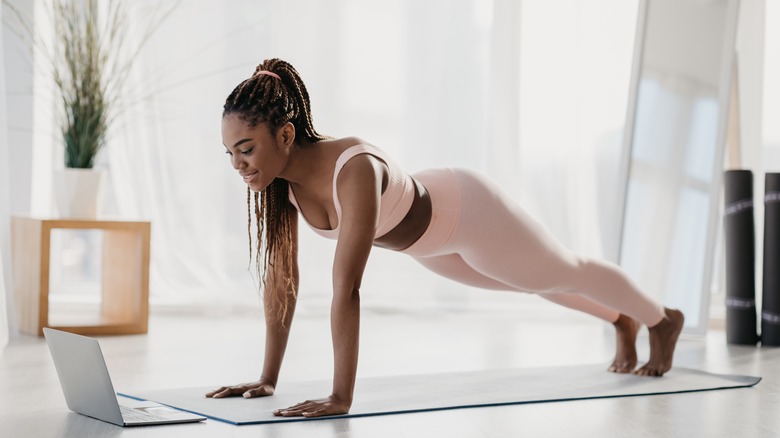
(258,155)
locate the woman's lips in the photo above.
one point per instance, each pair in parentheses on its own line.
(248,179)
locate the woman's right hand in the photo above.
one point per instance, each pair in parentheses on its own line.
(260,388)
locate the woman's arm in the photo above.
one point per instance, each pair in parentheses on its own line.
(359,189)
(276,334)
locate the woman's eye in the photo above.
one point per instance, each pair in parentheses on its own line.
(247,152)
(228,152)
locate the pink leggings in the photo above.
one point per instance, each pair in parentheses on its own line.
(480,237)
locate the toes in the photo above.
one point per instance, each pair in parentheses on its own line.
(621,367)
(646,371)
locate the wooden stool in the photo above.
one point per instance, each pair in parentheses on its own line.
(124,305)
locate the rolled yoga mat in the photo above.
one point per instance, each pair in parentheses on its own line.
(740,258)
(770,307)
(433,392)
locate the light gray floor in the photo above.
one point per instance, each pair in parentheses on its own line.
(186,351)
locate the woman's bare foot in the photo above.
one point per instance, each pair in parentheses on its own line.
(663,339)
(625,345)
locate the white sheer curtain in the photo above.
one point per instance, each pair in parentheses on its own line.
(575,69)
(771,101)
(4,203)
(532,93)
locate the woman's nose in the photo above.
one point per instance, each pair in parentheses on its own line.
(235,161)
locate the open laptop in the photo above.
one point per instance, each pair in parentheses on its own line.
(88,389)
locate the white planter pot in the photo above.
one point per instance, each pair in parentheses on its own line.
(78,192)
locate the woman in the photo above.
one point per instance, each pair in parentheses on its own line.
(454,222)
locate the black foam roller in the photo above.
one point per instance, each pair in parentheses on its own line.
(770,309)
(739,231)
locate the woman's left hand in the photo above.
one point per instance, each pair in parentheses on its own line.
(332,405)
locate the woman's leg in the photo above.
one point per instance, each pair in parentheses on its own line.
(579,302)
(496,239)
(453,266)
(501,241)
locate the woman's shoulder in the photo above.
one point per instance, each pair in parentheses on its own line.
(342,149)
(355,152)
(345,143)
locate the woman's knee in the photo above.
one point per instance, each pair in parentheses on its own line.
(584,274)
(559,276)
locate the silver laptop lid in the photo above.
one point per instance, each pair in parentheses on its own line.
(83,375)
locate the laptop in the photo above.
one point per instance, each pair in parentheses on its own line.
(88,389)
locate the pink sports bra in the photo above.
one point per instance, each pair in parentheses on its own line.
(395,202)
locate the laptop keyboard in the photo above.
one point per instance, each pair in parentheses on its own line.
(131,415)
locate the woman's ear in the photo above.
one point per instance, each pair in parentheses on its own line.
(286,135)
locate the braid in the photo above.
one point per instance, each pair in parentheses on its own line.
(249,221)
(265,99)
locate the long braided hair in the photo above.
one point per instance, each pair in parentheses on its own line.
(274,101)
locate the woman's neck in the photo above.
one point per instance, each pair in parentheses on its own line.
(303,163)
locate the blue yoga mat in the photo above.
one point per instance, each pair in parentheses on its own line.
(432,392)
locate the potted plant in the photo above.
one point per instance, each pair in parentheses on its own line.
(80,64)
(89,62)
